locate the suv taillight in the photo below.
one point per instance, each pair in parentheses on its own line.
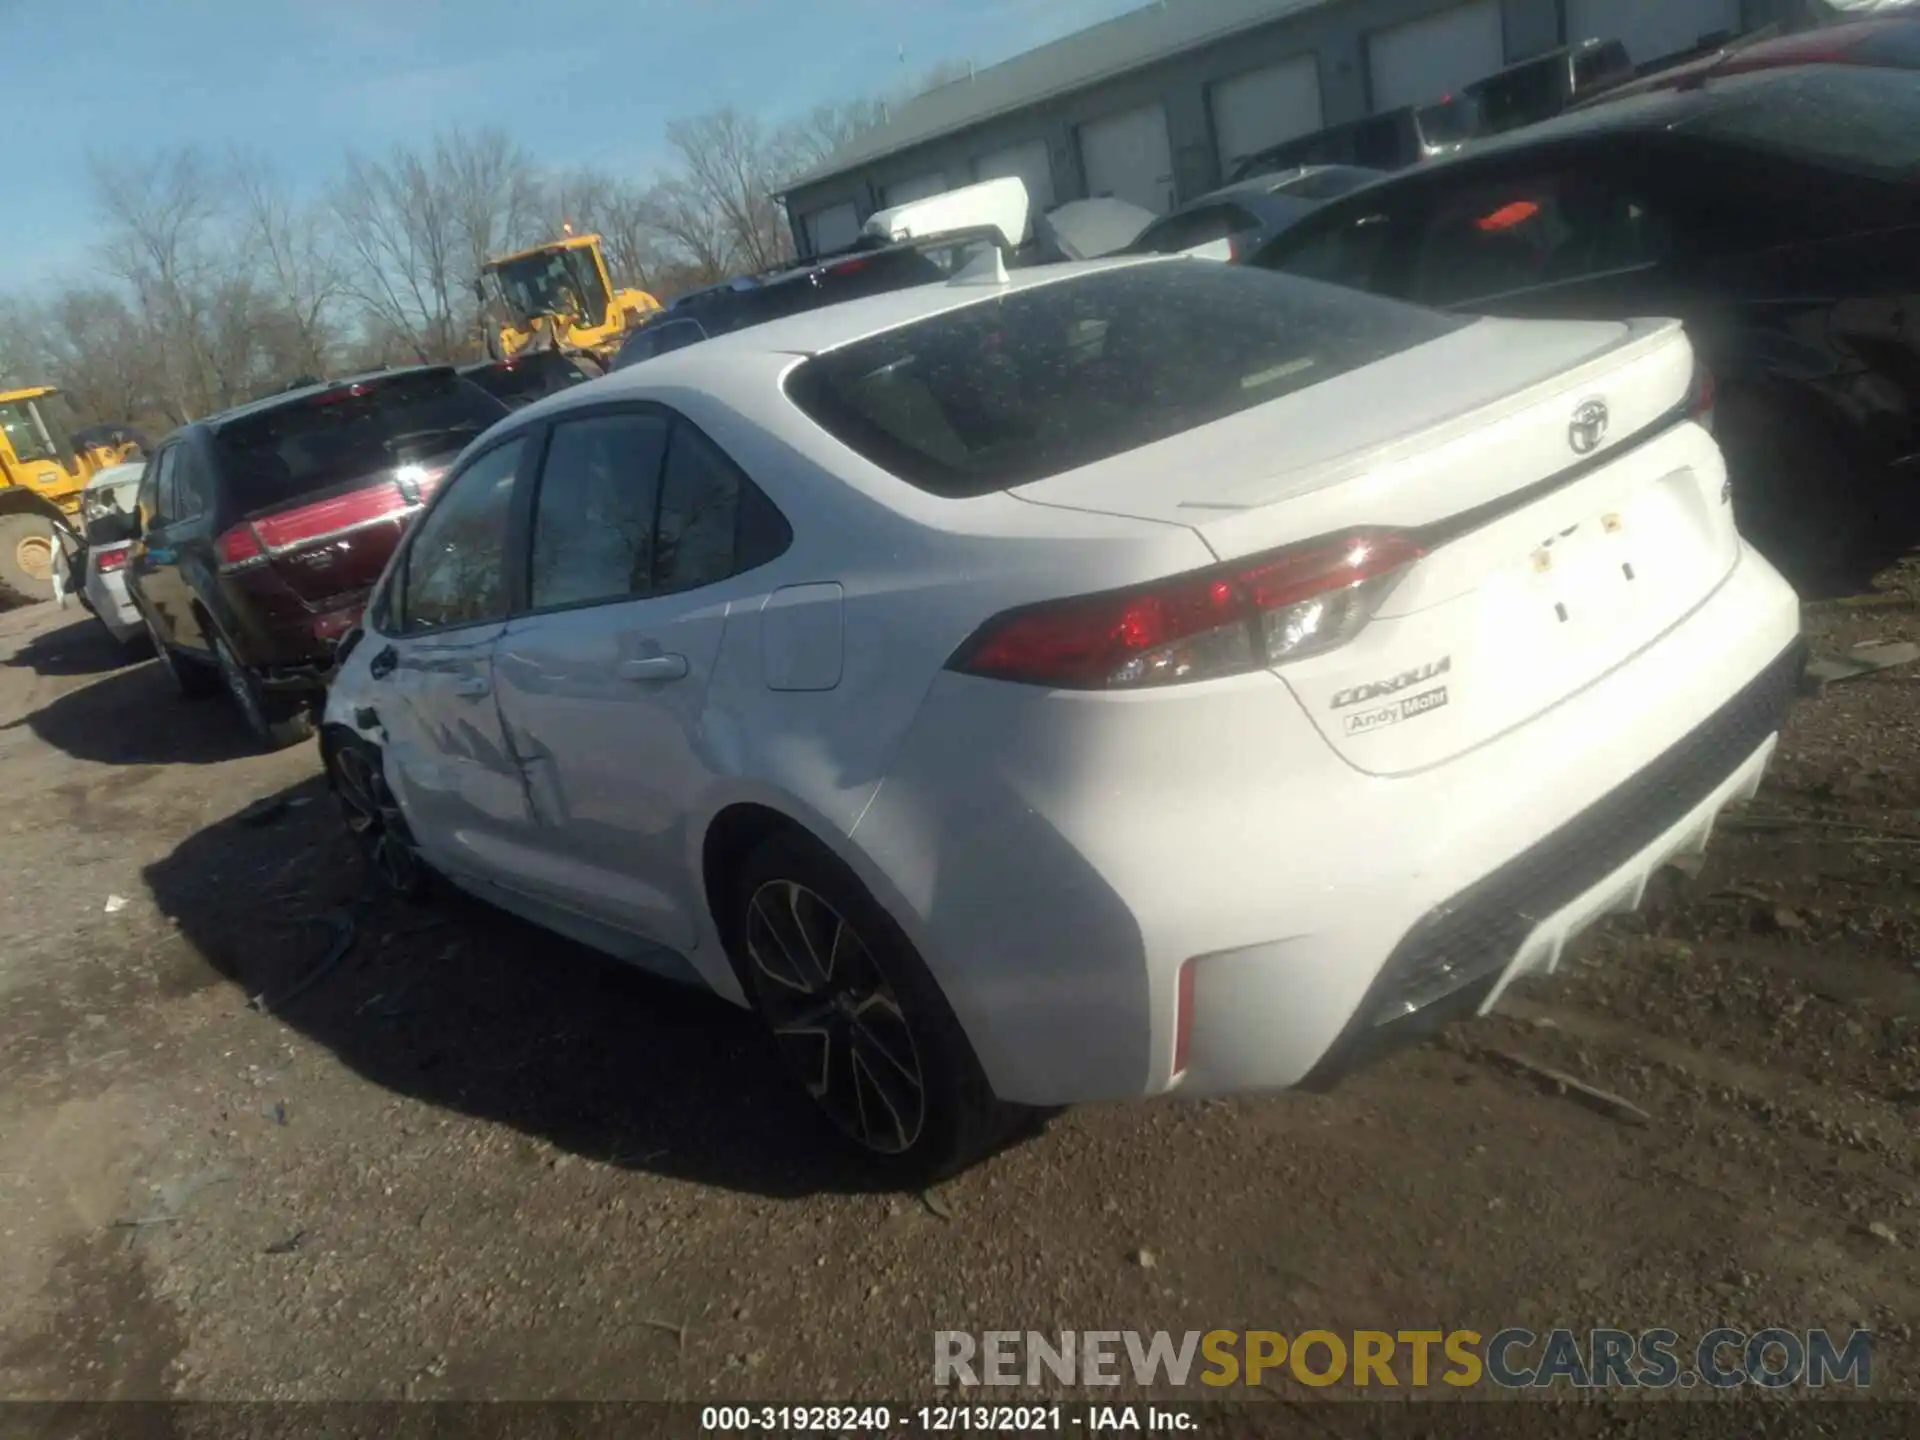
(1228,620)
(250,543)
(238,548)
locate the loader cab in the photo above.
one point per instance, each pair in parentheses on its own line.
(567,279)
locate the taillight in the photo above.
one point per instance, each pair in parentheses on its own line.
(114,557)
(248,544)
(1267,610)
(239,548)
(1700,396)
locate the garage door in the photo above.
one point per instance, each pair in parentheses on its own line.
(1030,162)
(1424,59)
(1650,29)
(918,188)
(1128,157)
(833,228)
(1264,107)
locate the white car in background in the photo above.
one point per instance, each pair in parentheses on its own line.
(1119,679)
(107,512)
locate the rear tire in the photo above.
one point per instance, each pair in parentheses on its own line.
(277,721)
(858,1017)
(191,679)
(28,552)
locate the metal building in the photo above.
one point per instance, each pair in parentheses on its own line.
(1154,105)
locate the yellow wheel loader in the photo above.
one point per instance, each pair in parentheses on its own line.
(558,296)
(44,466)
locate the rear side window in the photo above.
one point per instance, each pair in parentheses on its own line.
(638,503)
(1190,228)
(699,510)
(1533,230)
(1850,117)
(348,434)
(593,521)
(1349,248)
(1064,374)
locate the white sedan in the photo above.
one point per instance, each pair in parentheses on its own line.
(1122,679)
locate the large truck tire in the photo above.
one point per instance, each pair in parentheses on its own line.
(27,553)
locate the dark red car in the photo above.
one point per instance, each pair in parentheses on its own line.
(263,528)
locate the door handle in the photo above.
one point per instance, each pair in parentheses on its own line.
(472,685)
(653,667)
(382,665)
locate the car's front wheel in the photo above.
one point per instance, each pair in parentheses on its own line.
(357,774)
(858,1017)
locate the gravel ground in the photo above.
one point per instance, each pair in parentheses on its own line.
(473,1161)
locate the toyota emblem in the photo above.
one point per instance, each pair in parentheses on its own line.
(1588,427)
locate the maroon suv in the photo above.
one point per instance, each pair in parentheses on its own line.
(263,528)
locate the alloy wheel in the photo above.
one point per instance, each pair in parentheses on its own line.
(374,819)
(835,1017)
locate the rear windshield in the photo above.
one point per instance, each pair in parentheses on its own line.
(350,433)
(1047,379)
(1852,117)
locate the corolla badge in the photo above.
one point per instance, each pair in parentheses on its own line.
(1588,427)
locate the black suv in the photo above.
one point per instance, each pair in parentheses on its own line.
(263,528)
(870,269)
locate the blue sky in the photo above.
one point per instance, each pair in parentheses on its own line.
(303,81)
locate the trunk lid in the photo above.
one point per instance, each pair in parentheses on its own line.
(1570,517)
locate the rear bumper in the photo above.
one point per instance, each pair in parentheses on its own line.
(107,597)
(1059,859)
(1517,920)
(291,648)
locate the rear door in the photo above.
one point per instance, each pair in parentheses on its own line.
(157,579)
(642,530)
(447,758)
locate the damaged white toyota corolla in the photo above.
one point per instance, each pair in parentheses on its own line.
(1118,680)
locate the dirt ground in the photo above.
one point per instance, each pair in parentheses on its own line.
(474,1161)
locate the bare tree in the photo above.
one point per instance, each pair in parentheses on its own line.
(826,129)
(396,222)
(496,194)
(694,229)
(622,215)
(416,228)
(296,254)
(730,166)
(160,219)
